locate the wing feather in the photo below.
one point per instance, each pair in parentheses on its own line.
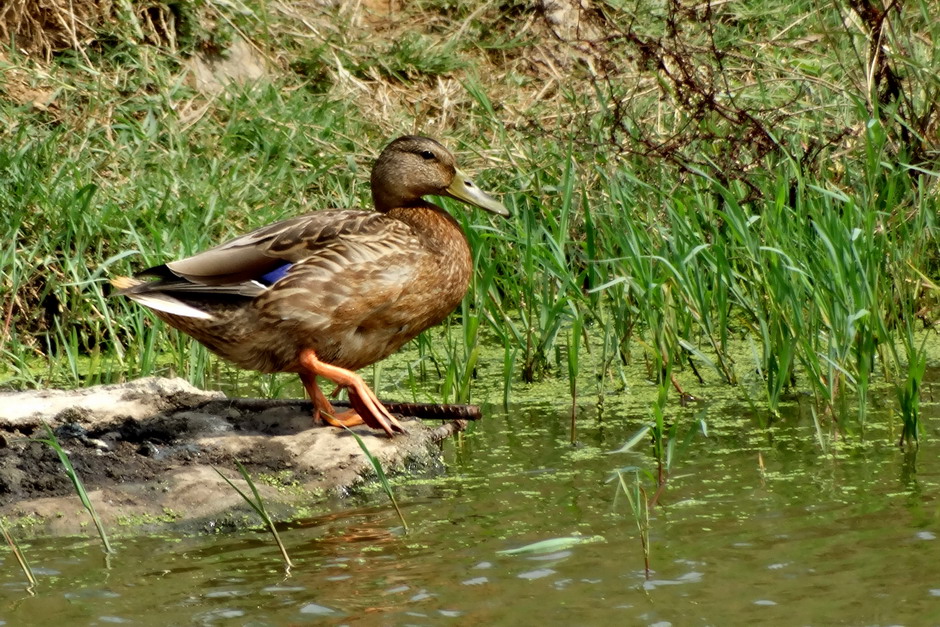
(255,254)
(324,244)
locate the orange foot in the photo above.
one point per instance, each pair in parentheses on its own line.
(366,407)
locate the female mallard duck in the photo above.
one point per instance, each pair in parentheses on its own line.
(329,292)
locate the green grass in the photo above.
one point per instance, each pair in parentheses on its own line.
(257,504)
(639,509)
(781,196)
(380,473)
(53,442)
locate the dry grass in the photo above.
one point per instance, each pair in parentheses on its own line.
(40,28)
(553,42)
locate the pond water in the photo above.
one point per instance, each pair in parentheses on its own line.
(757,524)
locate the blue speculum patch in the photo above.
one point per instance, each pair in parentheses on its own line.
(275,275)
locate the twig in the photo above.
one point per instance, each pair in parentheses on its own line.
(425,411)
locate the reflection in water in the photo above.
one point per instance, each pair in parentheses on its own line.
(755,526)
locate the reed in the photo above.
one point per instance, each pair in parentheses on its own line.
(639,508)
(53,442)
(257,504)
(380,473)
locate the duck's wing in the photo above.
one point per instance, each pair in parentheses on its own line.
(261,255)
(249,265)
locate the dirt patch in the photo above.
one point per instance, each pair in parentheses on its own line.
(240,63)
(145,451)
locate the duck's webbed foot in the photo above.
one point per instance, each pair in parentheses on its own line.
(366,409)
(370,409)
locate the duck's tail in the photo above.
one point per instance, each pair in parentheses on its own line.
(151,296)
(125,282)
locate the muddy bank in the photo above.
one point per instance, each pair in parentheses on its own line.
(145,451)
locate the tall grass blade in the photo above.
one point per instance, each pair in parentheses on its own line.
(257,504)
(909,398)
(380,473)
(574,347)
(53,442)
(640,508)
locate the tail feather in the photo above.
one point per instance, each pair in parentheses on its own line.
(125,282)
(136,291)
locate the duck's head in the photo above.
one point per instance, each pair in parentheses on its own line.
(411,167)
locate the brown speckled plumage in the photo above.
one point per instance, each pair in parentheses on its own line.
(331,291)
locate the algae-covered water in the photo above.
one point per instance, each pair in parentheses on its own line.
(758,524)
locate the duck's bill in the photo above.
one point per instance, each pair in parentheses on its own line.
(466,190)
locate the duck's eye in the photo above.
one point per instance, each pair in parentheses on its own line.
(427,155)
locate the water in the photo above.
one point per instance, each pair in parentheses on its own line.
(757,525)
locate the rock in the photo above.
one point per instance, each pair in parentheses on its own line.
(136,399)
(146,450)
(241,63)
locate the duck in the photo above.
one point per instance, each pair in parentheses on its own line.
(329,292)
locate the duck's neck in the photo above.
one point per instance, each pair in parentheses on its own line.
(437,228)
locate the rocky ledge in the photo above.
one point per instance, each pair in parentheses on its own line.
(147,452)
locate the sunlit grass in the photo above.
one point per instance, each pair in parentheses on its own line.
(53,442)
(257,504)
(820,259)
(639,509)
(380,473)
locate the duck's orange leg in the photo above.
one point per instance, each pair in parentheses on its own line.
(321,405)
(366,407)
